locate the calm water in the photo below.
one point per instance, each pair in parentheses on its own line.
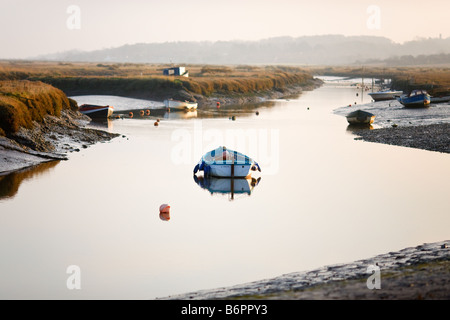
(322,198)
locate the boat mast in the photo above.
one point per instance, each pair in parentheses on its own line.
(362,85)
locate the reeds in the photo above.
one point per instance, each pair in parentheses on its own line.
(136,79)
(23,101)
(434,79)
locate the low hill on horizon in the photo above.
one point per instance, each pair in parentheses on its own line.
(306,50)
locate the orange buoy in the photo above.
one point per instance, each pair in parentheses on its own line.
(147,112)
(142,113)
(130,114)
(164,208)
(164,216)
(164,212)
(156,124)
(157,120)
(218,104)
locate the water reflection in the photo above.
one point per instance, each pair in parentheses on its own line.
(354,128)
(228,186)
(10,183)
(102,124)
(180,114)
(227,111)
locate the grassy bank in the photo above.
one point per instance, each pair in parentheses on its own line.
(147,81)
(23,101)
(436,80)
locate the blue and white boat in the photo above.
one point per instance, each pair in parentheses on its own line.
(416,99)
(223,162)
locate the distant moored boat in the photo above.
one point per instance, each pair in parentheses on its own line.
(416,99)
(385,95)
(95,111)
(440,99)
(360,117)
(180,105)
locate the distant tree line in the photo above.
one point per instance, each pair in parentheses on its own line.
(410,60)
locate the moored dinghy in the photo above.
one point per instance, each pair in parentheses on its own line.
(360,117)
(223,162)
(95,111)
(180,105)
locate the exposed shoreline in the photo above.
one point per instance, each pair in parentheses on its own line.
(421,272)
(433,137)
(287,92)
(50,140)
(204,101)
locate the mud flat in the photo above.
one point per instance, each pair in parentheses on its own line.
(50,140)
(421,128)
(421,272)
(434,137)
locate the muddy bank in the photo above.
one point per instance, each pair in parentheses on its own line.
(206,101)
(49,140)
(434,137)
(421,281)
(230,99)
(421,272)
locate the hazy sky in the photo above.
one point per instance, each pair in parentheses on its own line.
(29,28)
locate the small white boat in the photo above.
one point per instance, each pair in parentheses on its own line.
(180,105)
(360,117)
(385,95)
(222,162)
(95,111)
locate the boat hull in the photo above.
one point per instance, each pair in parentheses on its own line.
(416,101)
(225,170)
(225,163)
(360,117)
(362,120)
(97,111)
(383,96)
(180,105)
(440,99)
